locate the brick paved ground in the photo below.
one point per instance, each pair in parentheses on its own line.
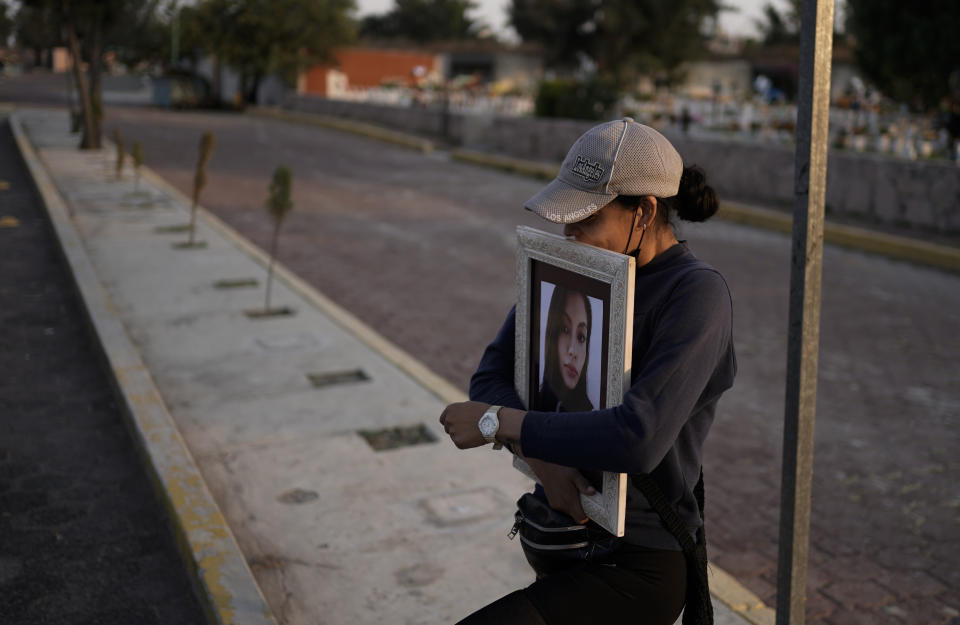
(82,537)
(422,250)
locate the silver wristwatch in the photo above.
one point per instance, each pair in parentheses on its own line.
(489,425)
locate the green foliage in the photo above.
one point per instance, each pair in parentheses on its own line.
(148,43)
(261,37)
(624,38)
(558,25)
(89,28)
(36,26)
(280,202)
(119,24)
(6,23)
(907,49)
(205,27)
(423,21)
(779,28)
(590,99)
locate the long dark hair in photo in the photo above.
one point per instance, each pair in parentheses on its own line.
(554,394)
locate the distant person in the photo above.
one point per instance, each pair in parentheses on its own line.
(683,361)
(685,120)
(567,347)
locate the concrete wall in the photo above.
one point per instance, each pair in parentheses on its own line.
(891,191)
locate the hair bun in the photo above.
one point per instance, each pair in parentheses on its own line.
(697,201)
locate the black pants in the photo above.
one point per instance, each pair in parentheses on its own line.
(635,585)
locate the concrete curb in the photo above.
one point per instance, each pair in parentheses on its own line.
(229,593)
(723,586)
(738,598)
(897,248)
(358,128)
(542,171)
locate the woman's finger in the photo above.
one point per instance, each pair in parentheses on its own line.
(583,485)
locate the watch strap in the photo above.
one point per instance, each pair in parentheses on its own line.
(493,411)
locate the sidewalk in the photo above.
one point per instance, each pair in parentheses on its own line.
(271,408)
(83,537)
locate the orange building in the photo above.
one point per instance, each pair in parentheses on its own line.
(362,68)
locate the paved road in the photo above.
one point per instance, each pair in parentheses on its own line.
(421,248)
(82,537)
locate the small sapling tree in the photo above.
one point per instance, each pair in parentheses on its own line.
(137,155)
(200,178)
(279,204)
(121,151)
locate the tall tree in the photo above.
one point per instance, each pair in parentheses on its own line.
(88,28)
(423,21)
(908,49)
(623,38)
(565,28)
(207,27)
(262,37)
(37,27)
(780,27)
(6,23)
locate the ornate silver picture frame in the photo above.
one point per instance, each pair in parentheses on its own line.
(574,335)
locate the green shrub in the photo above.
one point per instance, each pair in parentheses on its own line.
(591,99)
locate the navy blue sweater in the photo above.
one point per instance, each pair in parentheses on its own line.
(683,360)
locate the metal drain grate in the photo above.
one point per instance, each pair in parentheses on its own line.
(260,313)
(186,245)
(332,378)
(395,437)
(297,496)
(175,229)
(239,283)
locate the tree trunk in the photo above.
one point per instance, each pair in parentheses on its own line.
(254,88)
(273,257)
(96,83)
(217,79)
(86,107)
(193,219)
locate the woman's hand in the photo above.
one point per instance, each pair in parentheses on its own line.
(563,486)
(461,420)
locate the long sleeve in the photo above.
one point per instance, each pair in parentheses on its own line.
(493,381)
(677,380)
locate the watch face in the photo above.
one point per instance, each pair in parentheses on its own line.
(487,425)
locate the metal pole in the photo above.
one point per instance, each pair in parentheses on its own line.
(810,176)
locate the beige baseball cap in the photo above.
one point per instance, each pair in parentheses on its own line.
(620,157)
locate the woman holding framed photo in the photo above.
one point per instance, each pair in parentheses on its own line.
(621,188)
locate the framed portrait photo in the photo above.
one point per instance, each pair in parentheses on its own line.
(573,343)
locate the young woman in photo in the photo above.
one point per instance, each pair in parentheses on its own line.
(567,347)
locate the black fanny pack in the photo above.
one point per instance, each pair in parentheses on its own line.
(552,541)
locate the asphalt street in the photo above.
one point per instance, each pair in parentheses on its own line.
(83,538)
(422,249)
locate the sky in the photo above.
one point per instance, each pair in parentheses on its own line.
(493,12)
